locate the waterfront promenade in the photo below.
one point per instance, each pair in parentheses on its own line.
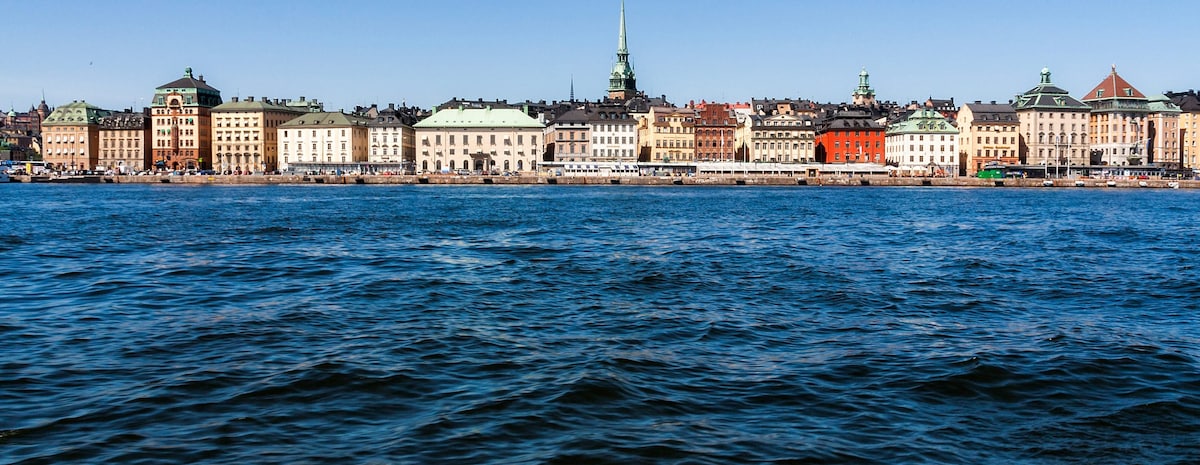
(721,180)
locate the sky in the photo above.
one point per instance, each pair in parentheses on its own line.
(113,54)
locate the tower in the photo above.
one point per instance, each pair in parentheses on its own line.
(621,83)
(864,95)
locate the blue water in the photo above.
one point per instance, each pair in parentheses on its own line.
(616,324)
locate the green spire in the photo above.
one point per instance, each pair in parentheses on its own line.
(622,48)
(1045,75)
(864,84)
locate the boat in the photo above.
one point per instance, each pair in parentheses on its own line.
(1047,183)
(1173,184)
(1111,183)
(1143,184)
(1079,183)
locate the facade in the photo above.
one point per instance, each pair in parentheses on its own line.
(989,133)
(22,131)
(782,138)
(569,136)
(1189,123)
(1054,126)
(622,84)
(482,139)
(1163,140)
(245,134)
(924,144)
(393,139)
(614,133)
(1119,122)
(715,130)
(71,136)
(849,136)
(125,142)
(326,138)
(181,125)
(667,134)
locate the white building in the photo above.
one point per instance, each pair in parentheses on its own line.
(332,139)
(484,139)
(392,136)
(924,144)
(614,134)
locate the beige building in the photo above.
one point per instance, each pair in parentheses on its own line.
(181,125)
(326,141)
(479,139)
(1163,130)
(667,134)
(71,136)
(393,139)
(245,134)
(125,142)
(988,133)
(781,138)
(1119,122)
(1054,126)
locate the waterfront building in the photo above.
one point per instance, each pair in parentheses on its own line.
(622,85)
(782,138)
(326,138)
(715,126)
(125,141)
(501,139)
(393,138)
(667,134)
(1054,125)
(245,134)
(568,137)
(614,133)
(23,130)
(849,136)
(1162,129)
(1189,125)
(1118,122)
(181,123)
(71,136)
(989,133)
(924,144)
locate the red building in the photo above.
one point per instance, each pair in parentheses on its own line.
(850,136)
(715,128)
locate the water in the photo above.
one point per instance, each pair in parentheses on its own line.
(617,324)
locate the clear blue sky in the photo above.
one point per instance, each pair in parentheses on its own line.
(425,52)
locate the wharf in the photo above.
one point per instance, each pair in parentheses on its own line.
(722,180)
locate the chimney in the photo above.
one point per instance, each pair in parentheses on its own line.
(391,106)
(993,102)
(978,102)
(201,78)
(250,98)
(301,98)
(233,99)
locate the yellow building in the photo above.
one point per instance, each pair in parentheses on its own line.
(245,137)
(667,134)
(125,142)
(1054,126)
(988,133)
(71,136)
(181,125)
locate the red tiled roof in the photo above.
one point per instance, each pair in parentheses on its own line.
(1114,86)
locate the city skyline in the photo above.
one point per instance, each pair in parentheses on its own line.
(113,55)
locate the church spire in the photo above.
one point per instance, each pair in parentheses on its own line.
(622,47)
(621,83)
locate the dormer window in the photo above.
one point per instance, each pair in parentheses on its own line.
(1099,93)
(1128,92)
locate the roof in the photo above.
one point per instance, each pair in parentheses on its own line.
(926,121)
(576,116)
(187,82)
(992,113)
(1113,87)
(1047,96)
(258,105)
(849,119)
(1187,101)
(75,114)
(479,118)
(325,119)
(1161,104)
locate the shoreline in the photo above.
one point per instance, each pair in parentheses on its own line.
(726,180)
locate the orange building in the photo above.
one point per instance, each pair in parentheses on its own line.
(850,136)
(71,136)
(181,123)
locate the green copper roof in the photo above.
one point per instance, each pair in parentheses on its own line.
(864,84)
(926,121)
(1047,96)
(1161,104)
(75,114)
(325,119)
(479,118)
